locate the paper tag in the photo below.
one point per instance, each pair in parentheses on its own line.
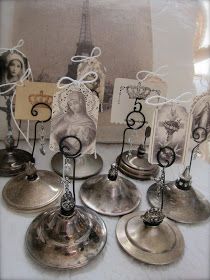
(75,113)
(93,65)
(127,90)
(30,94)
(200,113)
(13,67)
(170,128)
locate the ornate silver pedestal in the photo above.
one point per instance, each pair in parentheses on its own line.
(135,164)
(86,166)
(182,203)
(13,161)
(150,237)
(66,237)
(33,190)
(110,194)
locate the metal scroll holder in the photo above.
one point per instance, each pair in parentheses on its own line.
(179,194)
(150,237)
(12,160)
(110,194)
(34,112)
(67,236)
(35,190)
(135,163)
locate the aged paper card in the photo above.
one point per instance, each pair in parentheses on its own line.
(30,94)
(127,90)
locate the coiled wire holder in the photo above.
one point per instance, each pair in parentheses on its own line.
(135,163)
(110,194)
(12,160)
(149,236)
(68,236)
(180,194)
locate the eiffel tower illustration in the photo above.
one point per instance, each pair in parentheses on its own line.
(85,45)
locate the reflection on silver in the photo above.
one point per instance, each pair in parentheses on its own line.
(66,241)
(33,190)
(86,166)
(135,165)
(153,244)
(110,194)
(13,161)
(184,206)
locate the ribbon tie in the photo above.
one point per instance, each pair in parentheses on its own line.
(150,73)
(80,58)
(81,81)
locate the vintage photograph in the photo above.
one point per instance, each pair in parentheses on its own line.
(201,112)
(12,67)
(75,113)
(169,129)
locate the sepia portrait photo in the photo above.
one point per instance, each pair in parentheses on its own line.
(13,66)
(75,113)
(169,129)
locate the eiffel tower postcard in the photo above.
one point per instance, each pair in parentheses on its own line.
(62,29)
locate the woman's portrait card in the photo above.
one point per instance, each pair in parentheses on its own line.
(75,113)
(170,128)
(13,66)
(200,113)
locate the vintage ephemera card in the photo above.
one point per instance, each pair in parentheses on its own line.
(200,113)
(30,94)
(127,90)
(170,128)
(75,113)
(13,66)
(93,65)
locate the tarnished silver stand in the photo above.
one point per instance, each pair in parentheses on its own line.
(111,194)
(86,166)
(183,204)
(135,163)
(33,190)
(150,237)
(68,236)
(12,160)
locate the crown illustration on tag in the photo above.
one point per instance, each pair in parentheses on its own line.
(138,91)
(40,98)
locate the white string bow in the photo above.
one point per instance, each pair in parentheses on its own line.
(80,58)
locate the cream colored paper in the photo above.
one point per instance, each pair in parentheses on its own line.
(127,90)
(30,94)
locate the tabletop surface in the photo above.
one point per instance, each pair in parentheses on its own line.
(113,262)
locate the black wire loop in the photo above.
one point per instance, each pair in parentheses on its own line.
(65,148)
(166,156)
(199,135)
(34,112)
(135,120)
